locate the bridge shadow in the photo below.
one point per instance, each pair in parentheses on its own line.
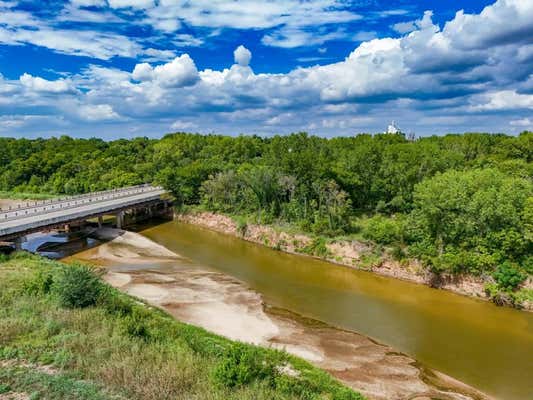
(58,245)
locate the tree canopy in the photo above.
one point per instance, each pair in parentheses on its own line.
(459,202)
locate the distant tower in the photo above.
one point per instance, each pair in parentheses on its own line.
(393,129)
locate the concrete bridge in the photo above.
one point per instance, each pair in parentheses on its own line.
(64,212)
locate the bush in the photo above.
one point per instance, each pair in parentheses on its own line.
(136,325)
(242,364)
(318,247)
(383,230)
(508,276)
(78,286)
(117,304)
(41,283)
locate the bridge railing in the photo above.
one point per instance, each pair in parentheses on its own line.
(32,204)
(74,201)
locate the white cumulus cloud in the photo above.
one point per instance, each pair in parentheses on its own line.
(177,73)
(242,56)
(39,84)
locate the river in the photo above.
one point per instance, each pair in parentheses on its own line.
(488,347)
(485,346)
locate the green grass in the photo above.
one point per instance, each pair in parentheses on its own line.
(123,348)
(26,196)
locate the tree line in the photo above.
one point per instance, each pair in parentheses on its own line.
(460,203)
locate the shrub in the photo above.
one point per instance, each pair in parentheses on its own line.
(41,283)
(78,286)
(242,364)
(136,325)
(508,276)
(242,226)
(117,304)
(383,230)
(318,247)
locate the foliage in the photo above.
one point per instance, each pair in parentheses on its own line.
(123,349)
(384,230)
(40,284)
(242,364)
(77,286)
(460,203)
(508,276)
(471,221)
(317,247)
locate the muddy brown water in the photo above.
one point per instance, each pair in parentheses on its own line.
(488,347)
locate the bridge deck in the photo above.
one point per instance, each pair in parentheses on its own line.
(54,213)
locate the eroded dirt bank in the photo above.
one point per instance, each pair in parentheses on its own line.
(218,302)
(344,252)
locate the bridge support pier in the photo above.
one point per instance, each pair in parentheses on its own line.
(18,242)
(120,220)
(100,222)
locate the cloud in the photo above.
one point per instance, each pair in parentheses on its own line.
(20,28)
(242,56)
(428,74)
(409,26)
(153,55)
(187,40)
(142,4)
(178,73)
(180,125)
(504,100)
(38,84)
(290,37)
(524,122)
(97,112)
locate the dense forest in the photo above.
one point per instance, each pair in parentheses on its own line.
(460,203)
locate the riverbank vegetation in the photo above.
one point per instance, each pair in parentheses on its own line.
(65,334)
(461,204)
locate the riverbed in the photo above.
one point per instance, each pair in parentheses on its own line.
(252,293)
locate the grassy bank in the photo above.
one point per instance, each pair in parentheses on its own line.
(64,334)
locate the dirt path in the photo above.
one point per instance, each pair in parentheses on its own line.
(224,305)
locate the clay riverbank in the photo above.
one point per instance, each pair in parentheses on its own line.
(350,253)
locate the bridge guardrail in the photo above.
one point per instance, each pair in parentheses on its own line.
(37,203)
(76,201)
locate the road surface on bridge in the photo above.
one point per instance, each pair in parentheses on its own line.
(56,212)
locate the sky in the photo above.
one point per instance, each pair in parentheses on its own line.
(127,68)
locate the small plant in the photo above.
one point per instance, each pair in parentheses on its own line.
(242,226)
(242,364)
(78,286)
(318,247)
(370,261)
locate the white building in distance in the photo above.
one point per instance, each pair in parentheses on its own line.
(393,129)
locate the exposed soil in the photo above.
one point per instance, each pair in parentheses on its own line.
(226,306)
(350,253)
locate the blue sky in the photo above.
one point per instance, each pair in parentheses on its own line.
(124,68)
